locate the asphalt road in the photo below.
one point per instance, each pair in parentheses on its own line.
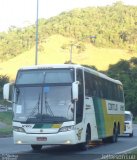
(97,150)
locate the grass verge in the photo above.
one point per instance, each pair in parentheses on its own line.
(134,152)
(135,120)
(6,118)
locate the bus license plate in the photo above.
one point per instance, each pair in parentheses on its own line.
(41,138)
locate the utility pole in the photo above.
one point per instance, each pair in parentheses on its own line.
(37,38)
(73,44)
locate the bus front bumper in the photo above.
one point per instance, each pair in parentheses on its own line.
(67,138)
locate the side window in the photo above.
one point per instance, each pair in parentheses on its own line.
(100,87)
(93,85)
(104,88)
(120,93)
(80,102)
(109,91)
(88,85)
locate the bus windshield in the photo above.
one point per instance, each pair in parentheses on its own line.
(44,95)
(46,104)
(128,117)
(45,76)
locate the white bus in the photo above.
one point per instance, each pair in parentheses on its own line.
(65,104)
(128,123)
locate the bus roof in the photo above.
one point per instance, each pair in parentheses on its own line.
(47,66)
(128,112)
(99,74)
(50,66)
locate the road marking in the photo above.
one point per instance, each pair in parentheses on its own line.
(123,152)
(128,150)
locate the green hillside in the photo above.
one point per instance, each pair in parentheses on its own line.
(53,52)
(115,28)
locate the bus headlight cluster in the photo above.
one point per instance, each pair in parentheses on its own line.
(66,128)
(128,126)
(18,129)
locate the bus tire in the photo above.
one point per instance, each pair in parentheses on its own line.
(106,140)
(36,147)
(85,146)
(114,138)
(131,134)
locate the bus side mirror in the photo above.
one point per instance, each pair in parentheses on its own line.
(75,90)
(8,92)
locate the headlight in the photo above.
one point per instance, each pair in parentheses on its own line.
(66,128)
(18,129)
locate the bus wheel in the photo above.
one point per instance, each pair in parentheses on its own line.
(36,147)
(114,138)
(106,140)
(131,134)
(84,146)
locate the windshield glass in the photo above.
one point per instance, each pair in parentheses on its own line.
(45,76)
(50,103)
(128,117)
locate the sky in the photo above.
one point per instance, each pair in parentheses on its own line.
(21,13)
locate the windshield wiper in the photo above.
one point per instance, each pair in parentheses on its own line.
(37,107)
(48,108)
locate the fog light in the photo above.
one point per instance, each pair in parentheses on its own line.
(19,142)
(68,142)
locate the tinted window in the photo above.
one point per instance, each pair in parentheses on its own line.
(91,85)
(30,77)
(80,102)
(59,76)
(45,76)
(102,88)
(128,117)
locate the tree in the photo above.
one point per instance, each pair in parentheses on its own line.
(126,72)
(3,79)
(114,26)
